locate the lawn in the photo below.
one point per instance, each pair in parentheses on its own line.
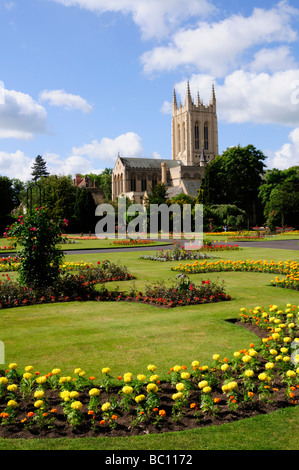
(127,337)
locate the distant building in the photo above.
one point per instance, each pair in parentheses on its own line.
(194,145)
(92,186)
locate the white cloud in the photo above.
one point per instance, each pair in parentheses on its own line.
(287,155)
(273,60)
(16,165)
(155,18)
(250,97)
(65,100)
(20,116)
(127,145)
(217,48)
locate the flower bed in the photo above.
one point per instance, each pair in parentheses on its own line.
(130,242)
(176,254)
(288,268)
(257,379)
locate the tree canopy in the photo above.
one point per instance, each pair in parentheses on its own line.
(39,168)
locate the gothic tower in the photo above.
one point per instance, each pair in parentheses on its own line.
(194,130)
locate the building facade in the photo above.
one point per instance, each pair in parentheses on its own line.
(194,144)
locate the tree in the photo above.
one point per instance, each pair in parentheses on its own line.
(39,168)
(280,196)
(234,178)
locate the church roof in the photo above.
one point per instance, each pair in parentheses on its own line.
(191,187)
(148,162)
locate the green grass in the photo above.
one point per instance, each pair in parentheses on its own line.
(129,336)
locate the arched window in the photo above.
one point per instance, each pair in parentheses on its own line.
(154,180)
(206,136)
(196,136)
(179,137)
(184,138)
(143,182)
(133,182)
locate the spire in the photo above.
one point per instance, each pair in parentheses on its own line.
(213,96)
(188,95)
(174,101)
(198,99)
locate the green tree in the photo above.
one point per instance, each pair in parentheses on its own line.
(234,178)
(40,258)
(39,168)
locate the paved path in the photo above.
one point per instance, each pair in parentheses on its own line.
(278,244)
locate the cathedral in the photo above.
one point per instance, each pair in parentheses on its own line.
(194,145)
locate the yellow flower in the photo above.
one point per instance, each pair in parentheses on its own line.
(154,378)
(177,396)
(127,390)
(269,365)
(13,365)
(74,394)
(152,388)
(224,367)
(207,389)
(180,387)
(12,388)
(27,376)
(237,354)
(177,368)
(76,371)
(151,367)
(195,364)
(216,357)
(140,398)
(41,380)
(3,380)
(249,373)
(264,377)
(141,377)
(76,405)
(28,369)
(39,394)
(106,406)
(39,404)
(93,392)
(273,352)
(203,384)
(291,373)
(106,370)
(12,404)
(56,371)
(246,359)
(185,375)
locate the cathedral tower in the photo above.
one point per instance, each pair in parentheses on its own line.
(194,130)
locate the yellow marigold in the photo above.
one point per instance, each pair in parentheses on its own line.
(151,367)
(207,389)
(56,371)
(12,388)
(39,394)
(264,377)
(203,383)
(3,380)
(152,388)
(28,369)
(27,376)
(180,387)
(185,375)
(195,364)
(41,380)
(154,378)
(93,392)
(106,406)
(76,405)
(39,404)
(269,365)
(127,390)
(74,394)
(177,396)
(246,358)
(177,368)
(140,398)
(291,373)
(216,357)
(13,365)
(12,404)
(141,377)
(249,373)
(76,371)
(224,367)
(106,370)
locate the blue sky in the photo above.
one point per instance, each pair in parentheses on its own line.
(84,80)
